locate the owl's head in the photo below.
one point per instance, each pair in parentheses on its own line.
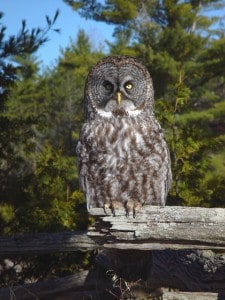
(118,86)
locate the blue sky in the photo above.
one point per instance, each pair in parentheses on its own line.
(69,22)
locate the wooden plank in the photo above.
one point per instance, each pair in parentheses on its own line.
(161,228)
(39,243)
(154,228)
(190,296)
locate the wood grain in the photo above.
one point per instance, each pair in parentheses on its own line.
(160,228)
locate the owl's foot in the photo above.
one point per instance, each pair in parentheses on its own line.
(116,205)
(132,206)
(107,209)
(110,208)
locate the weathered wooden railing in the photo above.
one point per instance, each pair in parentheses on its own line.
(177,247)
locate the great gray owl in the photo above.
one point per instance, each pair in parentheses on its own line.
(123,158)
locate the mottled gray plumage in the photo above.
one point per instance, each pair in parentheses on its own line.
(123,158)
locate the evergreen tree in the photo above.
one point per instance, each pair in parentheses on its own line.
(25,42)
(39,189)
(45,113)
(13,67)
(67,88)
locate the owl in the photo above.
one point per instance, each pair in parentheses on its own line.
(123,159)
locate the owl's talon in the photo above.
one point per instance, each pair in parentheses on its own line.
(116,205)
(132,206)
(113,212)
(105,208)
(129,207)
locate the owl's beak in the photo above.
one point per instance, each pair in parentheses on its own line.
(118,97)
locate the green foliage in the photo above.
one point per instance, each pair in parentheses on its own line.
(121,46)
(195,148)
(112,11)
(25,42)
(7,214)
(50,192)
(44,116)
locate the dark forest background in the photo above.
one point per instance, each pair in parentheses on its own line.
(41,113)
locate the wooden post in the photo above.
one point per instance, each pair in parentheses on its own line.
(165,246)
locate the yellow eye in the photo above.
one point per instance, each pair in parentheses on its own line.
(128,86)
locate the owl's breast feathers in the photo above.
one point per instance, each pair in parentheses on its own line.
(123,158)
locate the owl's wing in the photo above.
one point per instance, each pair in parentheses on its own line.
(81,165)
(83,169)
(169,174)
